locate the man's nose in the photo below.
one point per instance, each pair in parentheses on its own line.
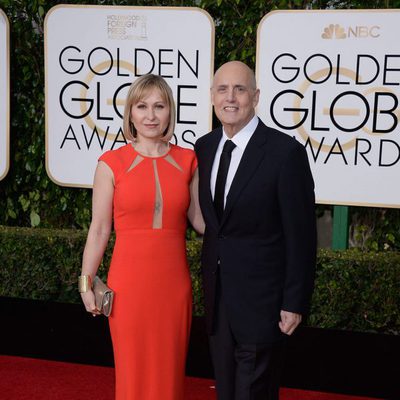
(231,95)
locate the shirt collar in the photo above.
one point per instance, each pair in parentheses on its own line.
(243,136)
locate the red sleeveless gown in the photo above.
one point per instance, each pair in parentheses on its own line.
(151,316)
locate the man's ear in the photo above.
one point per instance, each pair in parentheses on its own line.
(256,97)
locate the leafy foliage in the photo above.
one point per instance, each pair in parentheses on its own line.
(357,291)
(375,229)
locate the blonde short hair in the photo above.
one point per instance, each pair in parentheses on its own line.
(137,91)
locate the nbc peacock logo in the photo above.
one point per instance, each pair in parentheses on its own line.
(334,31)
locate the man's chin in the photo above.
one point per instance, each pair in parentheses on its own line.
(228,120)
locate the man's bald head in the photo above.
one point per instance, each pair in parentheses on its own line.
(239,68)
(234,95)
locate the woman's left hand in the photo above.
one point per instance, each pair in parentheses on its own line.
(89,302)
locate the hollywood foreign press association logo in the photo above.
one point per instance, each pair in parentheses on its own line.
(127,27)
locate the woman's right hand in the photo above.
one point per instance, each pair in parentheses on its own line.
(89,302)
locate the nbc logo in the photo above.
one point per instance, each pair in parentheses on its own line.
(334,31)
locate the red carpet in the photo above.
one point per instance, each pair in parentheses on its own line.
(31,379)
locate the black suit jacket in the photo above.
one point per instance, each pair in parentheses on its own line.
(264,248)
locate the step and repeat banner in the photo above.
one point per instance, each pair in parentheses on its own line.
(93,54)
(331,79)
(4,95)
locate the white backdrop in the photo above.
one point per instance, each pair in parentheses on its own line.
(331,79)
(93,53)
(4,95)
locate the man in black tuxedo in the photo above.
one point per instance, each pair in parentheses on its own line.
(257,199)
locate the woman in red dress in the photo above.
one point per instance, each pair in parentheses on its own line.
(148,188)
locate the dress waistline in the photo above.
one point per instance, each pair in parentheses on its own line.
(134,231)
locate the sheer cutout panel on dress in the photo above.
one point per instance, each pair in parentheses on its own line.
(158,204)
(138,159)
(171,160)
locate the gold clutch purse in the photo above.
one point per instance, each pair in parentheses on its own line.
(104,296)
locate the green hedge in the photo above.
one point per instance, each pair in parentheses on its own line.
(357,291)
(354,290)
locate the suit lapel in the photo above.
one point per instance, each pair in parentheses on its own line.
(251,159)
(208,160)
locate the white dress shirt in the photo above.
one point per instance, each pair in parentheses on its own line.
(240,139)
